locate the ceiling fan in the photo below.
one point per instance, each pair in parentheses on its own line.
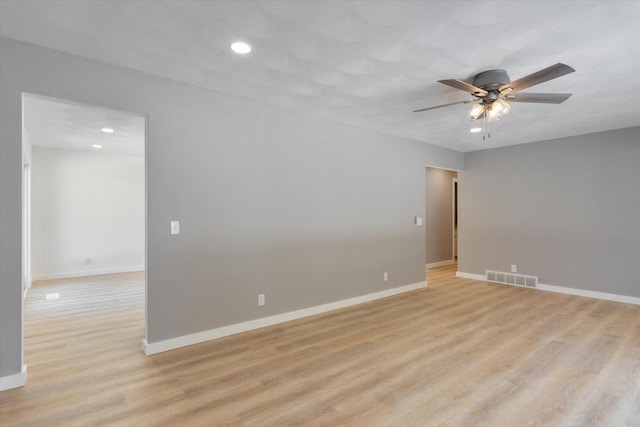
(492,89)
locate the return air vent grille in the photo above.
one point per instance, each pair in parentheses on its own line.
(512,279)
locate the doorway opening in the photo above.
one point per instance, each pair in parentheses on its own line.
(441,217)
(84,231)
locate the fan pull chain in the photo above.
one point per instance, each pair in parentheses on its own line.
(487,125)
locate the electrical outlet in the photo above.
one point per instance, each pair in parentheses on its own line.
(417,221)
(514,268)
(87,261)
(260,300)
(386,276)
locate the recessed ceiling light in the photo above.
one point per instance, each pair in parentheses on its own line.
(107,130)
(240,47)
(97,146)
(475,130)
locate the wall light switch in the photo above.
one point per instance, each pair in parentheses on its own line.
(260,300)
(175,227)
(417,221)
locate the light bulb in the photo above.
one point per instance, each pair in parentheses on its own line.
(476,111)
(497,106)
(506,109)
(501,107)
(492,114)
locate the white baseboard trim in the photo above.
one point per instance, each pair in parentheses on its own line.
(440,263)
(470,276)
(565,290)
(589,294)
(96,272)
(185,340)
(13,381)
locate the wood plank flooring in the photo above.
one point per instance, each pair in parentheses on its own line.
(459,353)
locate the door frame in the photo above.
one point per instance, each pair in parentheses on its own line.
(454,208)
(26,227)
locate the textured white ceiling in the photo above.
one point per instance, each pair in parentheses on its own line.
(368,63)
(52,123)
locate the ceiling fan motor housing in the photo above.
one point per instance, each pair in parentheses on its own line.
(491,80)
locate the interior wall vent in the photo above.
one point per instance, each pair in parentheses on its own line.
(511,279)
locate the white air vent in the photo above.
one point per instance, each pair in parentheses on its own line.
(511,279)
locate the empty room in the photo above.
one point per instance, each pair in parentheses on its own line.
(300,213)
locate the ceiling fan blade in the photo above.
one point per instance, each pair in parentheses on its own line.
(538,77)
(542,98)
(445,105)
(459,84)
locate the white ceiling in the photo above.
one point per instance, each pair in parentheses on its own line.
(53,123)
(368,63)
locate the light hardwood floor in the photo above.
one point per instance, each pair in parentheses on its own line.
(459,353)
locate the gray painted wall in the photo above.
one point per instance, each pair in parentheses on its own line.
(566,210)
(305,210)
(439,214)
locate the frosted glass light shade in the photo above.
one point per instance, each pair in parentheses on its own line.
(501,107)
(476,111)
(492,114)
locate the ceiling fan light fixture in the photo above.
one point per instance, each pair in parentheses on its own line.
(501,107)
(476,111)
(497,107)
(492,114)
(507,108)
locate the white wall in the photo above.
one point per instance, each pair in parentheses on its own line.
(86,206)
